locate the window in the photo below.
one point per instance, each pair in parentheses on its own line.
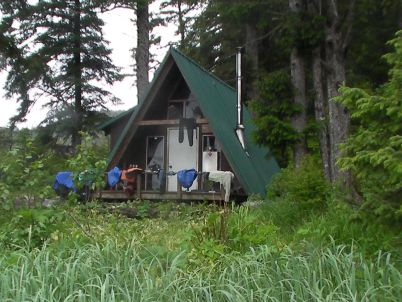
(155,154)
(175,110)
(210,154)
(184,108)
(209,143)
(210,161)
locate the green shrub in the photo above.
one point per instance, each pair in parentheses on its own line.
(373,151)
(88,166)
(23,174)
(30,227)
(304,187)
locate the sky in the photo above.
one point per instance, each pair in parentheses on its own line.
(121,33)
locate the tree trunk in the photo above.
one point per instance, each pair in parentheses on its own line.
(142,51)
(400,14)
(252,60)
(338,116)
(339,119)
(77,74)
(298,79)
(320,109)
(181,23)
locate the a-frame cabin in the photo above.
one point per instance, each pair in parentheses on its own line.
(187,119)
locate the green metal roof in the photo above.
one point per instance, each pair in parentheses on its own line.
(218,104)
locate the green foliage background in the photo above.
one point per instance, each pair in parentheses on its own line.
(373,152)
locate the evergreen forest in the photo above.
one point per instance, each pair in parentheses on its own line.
(323,82)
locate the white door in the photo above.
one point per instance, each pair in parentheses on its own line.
(181,156)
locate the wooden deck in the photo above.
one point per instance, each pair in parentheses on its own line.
(156,195)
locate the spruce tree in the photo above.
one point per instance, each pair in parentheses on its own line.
(178,12)
(65,59)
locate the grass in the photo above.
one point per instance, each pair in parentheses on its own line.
(109,272)
(201,253)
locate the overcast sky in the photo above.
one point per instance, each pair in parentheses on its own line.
(121,33)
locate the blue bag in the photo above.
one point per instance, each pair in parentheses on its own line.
(186,177)
(64,179)
(113,176)
(64,183)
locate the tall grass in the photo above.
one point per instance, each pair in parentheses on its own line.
(109,272)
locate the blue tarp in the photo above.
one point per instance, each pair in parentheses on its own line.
(113,176)
(64,178)
(186,177)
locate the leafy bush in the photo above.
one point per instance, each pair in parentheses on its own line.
(304,187)
(88,164)
(30,227)
(373,152)
(23,174)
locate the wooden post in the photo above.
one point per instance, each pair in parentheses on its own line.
(139,186)
(223,192)
(179,190)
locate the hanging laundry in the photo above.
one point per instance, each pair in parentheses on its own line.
(186,178)
(113,176)
(162,181)
(128,178)
(64,183)
(190,124)
(224,178)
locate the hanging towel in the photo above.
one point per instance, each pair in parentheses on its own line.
(224,178)
(190,124)
(181,130)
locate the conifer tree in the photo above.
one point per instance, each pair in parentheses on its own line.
(64,58)
(178,12)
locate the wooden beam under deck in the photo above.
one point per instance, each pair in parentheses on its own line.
(153,195)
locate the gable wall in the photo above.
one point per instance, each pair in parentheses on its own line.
(116,130)
(136,151)
(159,106)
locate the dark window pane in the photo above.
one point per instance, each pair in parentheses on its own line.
(155,160)
(175,110)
